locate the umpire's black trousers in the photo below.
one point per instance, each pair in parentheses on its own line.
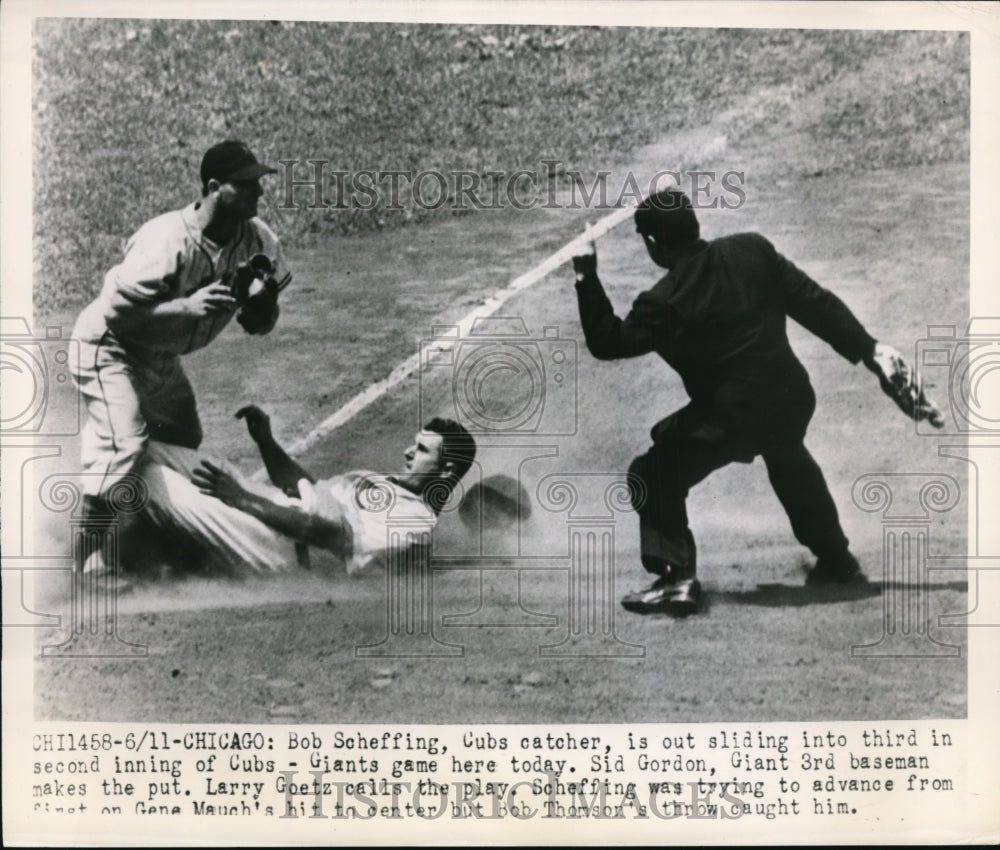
(687,447)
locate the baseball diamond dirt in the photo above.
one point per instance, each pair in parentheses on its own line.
(509,634)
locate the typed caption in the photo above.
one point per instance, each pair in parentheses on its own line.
(807,773)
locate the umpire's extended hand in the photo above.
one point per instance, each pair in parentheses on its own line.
(903,384)
(586,262)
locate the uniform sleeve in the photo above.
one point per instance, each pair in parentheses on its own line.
(610,338)
(380,520)
(336,499)
(401,534)
(820,311)
(150,269)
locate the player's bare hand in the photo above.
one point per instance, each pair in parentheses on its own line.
(215,481)
(258,422)
(216,299)
(585,262)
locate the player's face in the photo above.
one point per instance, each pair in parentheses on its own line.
(423,461)
(238,198)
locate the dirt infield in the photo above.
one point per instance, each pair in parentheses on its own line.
(500,646)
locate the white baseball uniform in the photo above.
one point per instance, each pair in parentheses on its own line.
(376,515)
(135,391)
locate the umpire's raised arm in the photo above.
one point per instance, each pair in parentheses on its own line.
(609,337)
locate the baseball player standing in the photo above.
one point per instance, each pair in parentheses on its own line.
(172,293)
(718,318)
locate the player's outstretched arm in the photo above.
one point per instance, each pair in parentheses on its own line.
(281,469)
(312,529)
(903,384)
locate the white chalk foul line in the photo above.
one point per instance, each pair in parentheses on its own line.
(401,372)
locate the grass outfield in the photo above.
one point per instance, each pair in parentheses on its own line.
(124,109)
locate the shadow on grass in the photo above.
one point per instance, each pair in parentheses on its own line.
(785,595)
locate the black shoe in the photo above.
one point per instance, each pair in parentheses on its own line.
(844,569)
(665,597)
(686,598)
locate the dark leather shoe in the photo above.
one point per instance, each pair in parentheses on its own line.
(844,569)
(665,597)
(685,599)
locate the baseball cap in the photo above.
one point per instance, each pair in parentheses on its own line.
(232,160)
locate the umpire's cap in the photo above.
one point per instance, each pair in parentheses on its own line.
(231,160)
(668,217)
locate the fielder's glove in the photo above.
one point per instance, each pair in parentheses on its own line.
(903,384)
(256,289)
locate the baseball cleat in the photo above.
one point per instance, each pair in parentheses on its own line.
(665,597)
(844,569)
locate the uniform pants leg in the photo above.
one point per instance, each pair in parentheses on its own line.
(128,401)
(113,438)
(800,487)
(687,447)
(170,410)
(211,531)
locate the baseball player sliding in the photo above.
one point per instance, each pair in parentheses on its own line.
(184,276)
(718,318)
(213,517)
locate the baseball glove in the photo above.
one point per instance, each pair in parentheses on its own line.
(903,384)
(256,289)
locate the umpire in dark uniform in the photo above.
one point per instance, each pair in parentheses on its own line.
(718,318)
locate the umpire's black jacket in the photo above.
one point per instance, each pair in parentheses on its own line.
(718,318)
